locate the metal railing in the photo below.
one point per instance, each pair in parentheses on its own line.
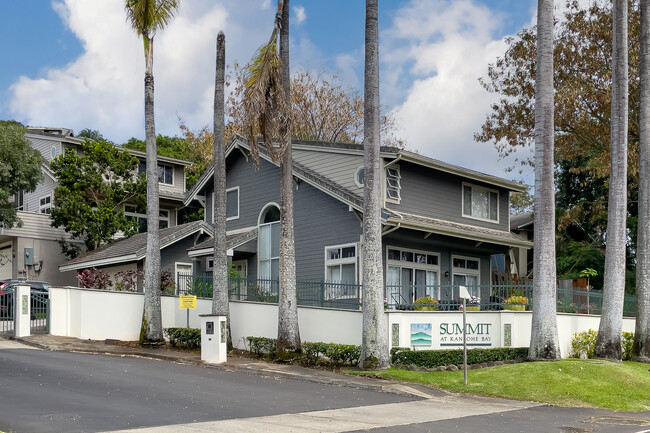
(492,297)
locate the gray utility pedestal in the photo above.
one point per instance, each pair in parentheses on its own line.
(214,336)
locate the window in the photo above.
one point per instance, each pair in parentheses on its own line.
(411,274)
(45,205)
(53,152)
(341,264)
(466,272)
(19,200)
(131,212)
(268,244)
(358,177)
(165,172)
(163,219)
(232,203)
(393,185)
(480,203)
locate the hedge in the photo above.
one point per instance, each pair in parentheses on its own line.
(184,337)
(437,358)
(312,353)
(583,344)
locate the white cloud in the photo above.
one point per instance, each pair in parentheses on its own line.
(445,47)
(301,15)
(103,89)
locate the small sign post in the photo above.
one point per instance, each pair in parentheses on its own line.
(464,294)
(188,302)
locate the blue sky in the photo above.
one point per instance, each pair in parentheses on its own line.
(76,64)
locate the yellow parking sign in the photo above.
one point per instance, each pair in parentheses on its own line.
(188,301)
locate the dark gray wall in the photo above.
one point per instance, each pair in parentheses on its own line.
(178,253)
(439,195)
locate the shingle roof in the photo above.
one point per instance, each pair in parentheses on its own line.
(135,247)
(464,231)
(232,241)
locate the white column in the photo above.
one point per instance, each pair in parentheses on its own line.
(214,337)
(22,313)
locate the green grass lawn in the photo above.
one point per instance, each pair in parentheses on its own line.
(570,382)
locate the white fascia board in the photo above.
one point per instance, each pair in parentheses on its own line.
(100,262)
(201,252)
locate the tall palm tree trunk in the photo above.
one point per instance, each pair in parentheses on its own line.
(220,303)
(152,322)
(544,342)
(288,329)
(641,346)
(374,343)
(608,343)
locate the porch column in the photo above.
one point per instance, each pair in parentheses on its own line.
(22,312)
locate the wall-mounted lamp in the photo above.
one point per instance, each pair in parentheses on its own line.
(446,274)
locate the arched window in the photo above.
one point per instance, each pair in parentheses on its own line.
(268,243)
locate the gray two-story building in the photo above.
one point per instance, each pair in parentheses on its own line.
(443,225)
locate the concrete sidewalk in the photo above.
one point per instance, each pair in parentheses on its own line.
(235,363)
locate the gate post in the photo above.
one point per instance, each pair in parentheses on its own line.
(22,314)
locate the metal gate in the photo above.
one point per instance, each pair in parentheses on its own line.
(7,309)
(40,312)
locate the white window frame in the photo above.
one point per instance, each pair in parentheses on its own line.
(343,260)
(396,178)
(356,176)
(47,207)
(414,266)
(164,218)
(19,200)
(209,263)
(488,190)
(235,188)
(465,272)
(271,258)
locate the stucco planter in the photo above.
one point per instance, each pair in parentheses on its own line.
(514,307)
(473,308)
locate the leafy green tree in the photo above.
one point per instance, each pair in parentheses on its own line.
(92,134)
(20,169)
(146,18)
(92,188)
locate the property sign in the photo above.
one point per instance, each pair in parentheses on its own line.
(188,301)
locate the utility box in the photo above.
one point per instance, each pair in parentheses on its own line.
(29,256)
(214,338)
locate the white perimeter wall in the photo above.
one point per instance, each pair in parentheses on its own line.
(100,315)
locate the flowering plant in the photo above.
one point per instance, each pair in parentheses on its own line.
(520,300)
(426,303)
(475,300)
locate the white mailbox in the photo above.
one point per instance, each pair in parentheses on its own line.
(214,338)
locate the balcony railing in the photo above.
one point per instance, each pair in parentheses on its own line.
(403,297)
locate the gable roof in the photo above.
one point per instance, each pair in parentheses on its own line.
(233,241)
(133,248)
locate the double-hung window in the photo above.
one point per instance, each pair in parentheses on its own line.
(165,172)
(341,271)
(45,205)
(480,203)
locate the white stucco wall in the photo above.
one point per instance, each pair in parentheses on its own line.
(99,315)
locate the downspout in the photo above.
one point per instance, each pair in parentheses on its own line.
(390,230)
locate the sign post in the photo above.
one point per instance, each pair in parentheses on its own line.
(188,302)
(464,294)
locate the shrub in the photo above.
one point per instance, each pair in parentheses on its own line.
(167,283)
(262,346)
(583,344)
(436,358)
(426,303)
(184,337)
(127,281)
(336,354)
(95,279)
(200,287)
(566,306)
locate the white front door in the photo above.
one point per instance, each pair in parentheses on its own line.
(183,281)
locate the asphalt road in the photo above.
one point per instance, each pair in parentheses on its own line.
(43,391)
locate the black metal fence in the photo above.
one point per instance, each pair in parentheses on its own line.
(491,297)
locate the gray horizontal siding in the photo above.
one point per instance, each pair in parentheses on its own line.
(32,199)
(340,168)
(436,194)
(45,146)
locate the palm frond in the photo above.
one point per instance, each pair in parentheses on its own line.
(264,100)
(147,16)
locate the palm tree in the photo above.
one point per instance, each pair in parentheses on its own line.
(641,346)
(608,343)
(374,343)
(544,342)
(220,304)
(146,17)
(288,329)
(266,104)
